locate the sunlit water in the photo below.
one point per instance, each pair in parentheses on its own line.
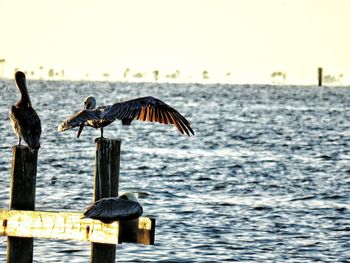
(266,178)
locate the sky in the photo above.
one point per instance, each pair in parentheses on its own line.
(233,40)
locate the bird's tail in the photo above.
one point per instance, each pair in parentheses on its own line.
(33,142)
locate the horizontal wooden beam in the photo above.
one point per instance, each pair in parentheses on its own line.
(71,226)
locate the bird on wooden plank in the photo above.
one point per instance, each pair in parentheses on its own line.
(108,210)
(147,109)
(24,119)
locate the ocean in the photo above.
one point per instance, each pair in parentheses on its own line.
(266,178)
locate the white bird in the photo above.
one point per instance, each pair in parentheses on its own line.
(147,109)
(108,210)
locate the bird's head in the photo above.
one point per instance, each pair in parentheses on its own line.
(89,103)
(129,196)
(21,83)
(20,75)
(20,78)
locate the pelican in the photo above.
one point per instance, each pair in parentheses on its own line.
(24,119)
(108,210)
(145,109)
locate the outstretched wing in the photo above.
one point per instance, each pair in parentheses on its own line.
(79,118)
(148,109)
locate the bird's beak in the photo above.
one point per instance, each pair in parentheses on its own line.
(81,127)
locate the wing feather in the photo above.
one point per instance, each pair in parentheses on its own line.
(150,114)
(148,110)
(114,208)
(183,121)
(164,119)
(167,114)
(142,114)
(138,115)
(124,113)
(177,124)
(186,128)
(154,115)
(159,115)
(145,114)
(79,118)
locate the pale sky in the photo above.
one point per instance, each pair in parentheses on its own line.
(248,38)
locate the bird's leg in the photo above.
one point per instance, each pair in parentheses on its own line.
(19,140)
(101,132)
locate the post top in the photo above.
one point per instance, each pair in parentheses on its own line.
(99,140)
(23,148)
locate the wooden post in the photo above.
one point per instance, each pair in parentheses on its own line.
(130,232)
(106,185)
(320,76)
(22,196)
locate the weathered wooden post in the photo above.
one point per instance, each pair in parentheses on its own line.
(320,76)
(106,185)
(22,197)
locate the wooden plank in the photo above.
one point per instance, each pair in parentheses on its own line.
(71,226)
(22,196)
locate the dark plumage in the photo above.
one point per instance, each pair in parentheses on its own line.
(108,210)
(24,119)
(144,109)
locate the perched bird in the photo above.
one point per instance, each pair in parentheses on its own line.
(124,207)
(144,109)
(24,119)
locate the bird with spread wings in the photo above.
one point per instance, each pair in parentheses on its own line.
(147,109)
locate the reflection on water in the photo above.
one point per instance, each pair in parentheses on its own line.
(266,178)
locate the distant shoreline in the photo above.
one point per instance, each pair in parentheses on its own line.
(181,82)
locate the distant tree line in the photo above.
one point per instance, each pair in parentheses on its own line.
(41,72)
(278,77)
(328,79)
(2,62)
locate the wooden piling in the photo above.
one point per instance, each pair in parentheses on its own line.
(130,231)
(22,196)
(320,76)
(106,185)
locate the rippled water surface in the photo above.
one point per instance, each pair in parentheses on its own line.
(266,178)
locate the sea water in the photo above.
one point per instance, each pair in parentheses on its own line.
(266,178)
